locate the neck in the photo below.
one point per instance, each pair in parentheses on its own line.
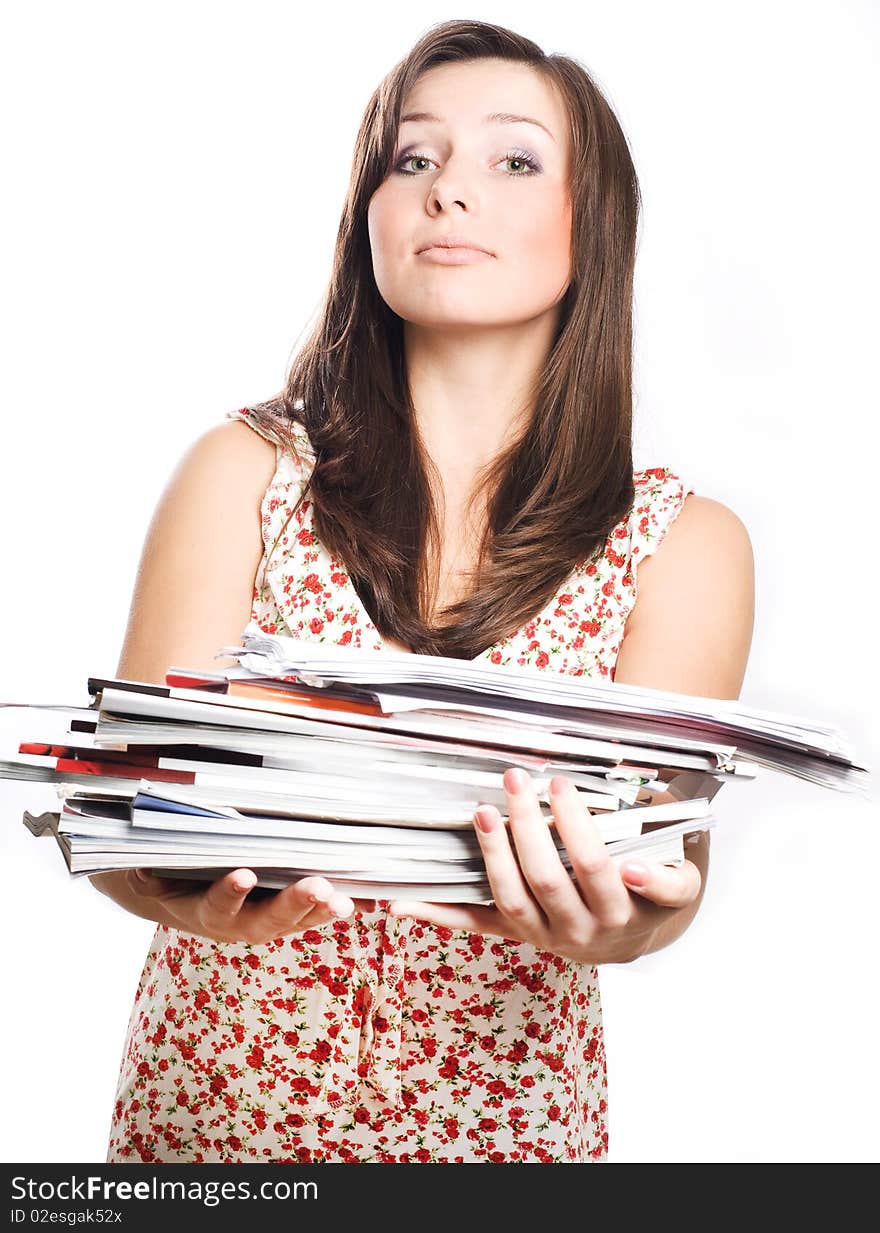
(473,391)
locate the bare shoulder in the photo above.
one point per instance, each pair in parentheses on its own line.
(691,627)
(194,583)
(704,528)
(219,479)
(235,447)
(704,516)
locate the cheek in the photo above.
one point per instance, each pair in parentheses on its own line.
(545,237)
(384,230)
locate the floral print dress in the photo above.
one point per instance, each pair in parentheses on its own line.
(375,1039)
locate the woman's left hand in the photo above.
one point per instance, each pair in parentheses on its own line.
(598,918)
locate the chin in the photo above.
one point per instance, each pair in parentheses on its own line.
(451,320)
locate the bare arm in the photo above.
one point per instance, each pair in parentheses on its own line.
(690,632)
(193,595)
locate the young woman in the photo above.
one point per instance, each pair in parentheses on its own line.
(448,471)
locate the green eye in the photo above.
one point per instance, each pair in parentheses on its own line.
(514,156)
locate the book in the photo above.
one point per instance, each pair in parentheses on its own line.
(367,767)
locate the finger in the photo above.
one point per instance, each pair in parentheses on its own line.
(511,892)
(473,918)
(670,886)
(538,856)
(294,905)
(148,885)
(142,882)
(221,903)
(597,876)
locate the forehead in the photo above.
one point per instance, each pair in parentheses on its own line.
(464,93)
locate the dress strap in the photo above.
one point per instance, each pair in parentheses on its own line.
(659,499)
(262,423)
(285,501)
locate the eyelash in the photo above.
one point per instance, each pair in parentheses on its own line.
(521,156)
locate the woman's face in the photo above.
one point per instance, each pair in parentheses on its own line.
(499,185)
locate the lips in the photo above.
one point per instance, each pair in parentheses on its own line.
(453,241)
(454,256)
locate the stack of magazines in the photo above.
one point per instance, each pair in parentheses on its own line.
(367,767)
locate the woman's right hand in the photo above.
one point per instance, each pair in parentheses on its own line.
(221,912)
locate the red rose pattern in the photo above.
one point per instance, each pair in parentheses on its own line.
(377,1040)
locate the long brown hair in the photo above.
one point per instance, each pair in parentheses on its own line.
(556,493)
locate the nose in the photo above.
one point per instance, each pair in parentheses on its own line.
(449,187)
(446,200)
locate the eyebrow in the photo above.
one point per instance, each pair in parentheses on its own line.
(499,117)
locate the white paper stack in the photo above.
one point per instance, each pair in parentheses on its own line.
(367,767)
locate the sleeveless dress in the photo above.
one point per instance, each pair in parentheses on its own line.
(375,1039)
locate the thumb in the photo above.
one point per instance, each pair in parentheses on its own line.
(671,886)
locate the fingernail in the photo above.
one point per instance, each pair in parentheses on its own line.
(515,779)
(141,875)
(485,819)
(244,882)
(637,874)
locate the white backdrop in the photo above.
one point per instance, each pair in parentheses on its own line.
(175,174)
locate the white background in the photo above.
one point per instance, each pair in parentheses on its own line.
(174,178)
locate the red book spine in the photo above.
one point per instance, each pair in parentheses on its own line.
(179,680)
(129,757)
(124,771)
